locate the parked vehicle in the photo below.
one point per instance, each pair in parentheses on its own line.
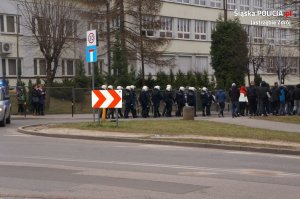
(5,104)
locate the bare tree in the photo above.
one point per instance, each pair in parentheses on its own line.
(53,24)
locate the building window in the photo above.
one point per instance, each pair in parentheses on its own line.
(183,28)
(183,1)
(166,29)
(244,5)
(247,30)
(71,28)
(9,24)
(231,4)
(99,26)
(270,5)
(271,35)
(200,2)
(201,64)
(201,30)
(283,38)
(40,67)
(1,23)
(258,34)
(68,67)
(9,67)
(257,5)
(149,24)
(294,38)
(216,3)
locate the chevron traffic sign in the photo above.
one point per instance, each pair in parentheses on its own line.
(107,99)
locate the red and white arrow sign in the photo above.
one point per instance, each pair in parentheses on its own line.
(107,98)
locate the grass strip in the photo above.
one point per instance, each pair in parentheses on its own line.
(181,127)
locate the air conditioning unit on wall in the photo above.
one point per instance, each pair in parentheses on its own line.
(6,47)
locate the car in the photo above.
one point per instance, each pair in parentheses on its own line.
(5,104)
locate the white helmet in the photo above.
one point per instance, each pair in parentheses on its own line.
(104,87)
(119,87)
(132,87)
(145,88)
(204,89)
(190,88)
(128,88)
(110,87)
(168,88)
(156,87)
(181,88)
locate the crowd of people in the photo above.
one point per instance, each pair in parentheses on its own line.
(147,99)
(250,101)
(264,100)
(36,100)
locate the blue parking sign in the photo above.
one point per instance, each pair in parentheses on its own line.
(91,54)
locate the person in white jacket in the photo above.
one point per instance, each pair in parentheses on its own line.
(243,100)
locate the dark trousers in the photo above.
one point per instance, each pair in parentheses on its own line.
(221,106)
(156,110)
(252,106)
(204,109)
(242,107)
(179,110)
(168,109)
(234,108)
(145,110)
(21,108)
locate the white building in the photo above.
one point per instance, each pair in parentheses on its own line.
(187,23)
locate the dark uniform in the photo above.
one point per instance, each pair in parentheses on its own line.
(180,100)
(128,98)
(191,99)
(169,100)
(145,102)
(156,98)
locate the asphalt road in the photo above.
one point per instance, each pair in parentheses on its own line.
(40,167)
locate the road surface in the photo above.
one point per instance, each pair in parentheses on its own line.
(41,167)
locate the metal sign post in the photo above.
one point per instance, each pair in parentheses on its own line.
(91,56)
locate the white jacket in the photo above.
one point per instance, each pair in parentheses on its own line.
(243,98)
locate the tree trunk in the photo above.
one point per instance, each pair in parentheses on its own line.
(141,43)
(108,38)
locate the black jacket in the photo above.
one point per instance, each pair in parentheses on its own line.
(234,94)
(296,93)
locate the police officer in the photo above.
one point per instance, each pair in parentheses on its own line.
(111,111)
(145,102)
(204,100)
(119,109)
(156,98)
(128,99)
(169,99)
(134,102)
(180,100)
(103,87)
(191,98)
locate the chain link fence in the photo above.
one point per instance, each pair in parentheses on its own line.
(69,100)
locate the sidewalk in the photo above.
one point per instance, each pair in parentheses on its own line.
(244,121)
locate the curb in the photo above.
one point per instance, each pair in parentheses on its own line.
(161,142)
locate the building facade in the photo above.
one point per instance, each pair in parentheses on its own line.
(187,23)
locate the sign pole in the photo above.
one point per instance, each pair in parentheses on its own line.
(117,113)
(93,85)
